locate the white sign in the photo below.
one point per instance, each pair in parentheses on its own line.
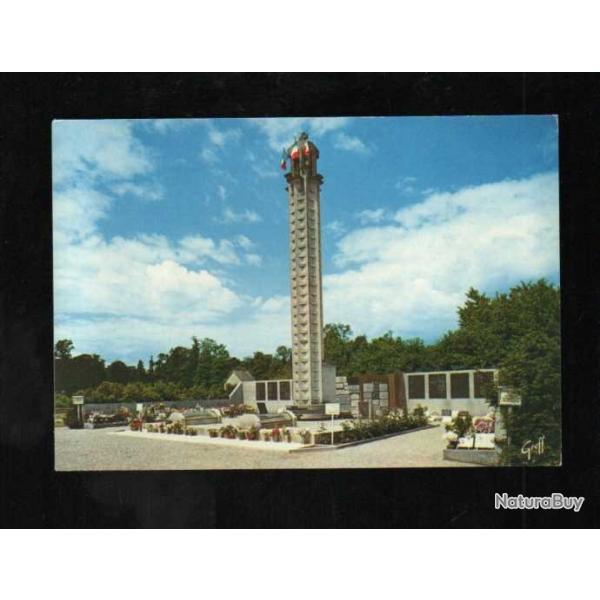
(139,407)
(77,399)
(508,397)
(465,442)
(332,408)
(485,440)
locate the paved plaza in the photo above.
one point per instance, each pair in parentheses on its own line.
(97,450)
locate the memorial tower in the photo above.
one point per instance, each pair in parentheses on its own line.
(304,188)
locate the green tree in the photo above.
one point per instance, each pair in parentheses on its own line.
(214,364)
(337,346)
(150,374)
(134,392)
(518,332)
(63,349)
(118,372)
(140,371)
(261,365)
(283,363)
(80,372)
(107,391)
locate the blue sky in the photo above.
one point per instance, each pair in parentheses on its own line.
(164,229)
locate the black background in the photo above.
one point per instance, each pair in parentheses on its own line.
(33,495)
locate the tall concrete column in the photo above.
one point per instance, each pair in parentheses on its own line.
(304,189)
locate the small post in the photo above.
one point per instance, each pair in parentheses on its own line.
(332,430)
(332,408)
(78,402)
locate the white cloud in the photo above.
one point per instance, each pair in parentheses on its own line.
(222,192)
(131,337)
(127,277)
(262,167)
(371,215)
(350,143)
(244,216)
(168,125)
(151,192)
(244,242)
(198,248)
(337,228)
(95,149)
(406,185)
(220,137)
(122,295)
(280,131)
(76,212)
(254,260)
(412,275)
(209,156)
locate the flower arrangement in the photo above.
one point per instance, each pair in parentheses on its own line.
(276,434)
(420,411)
(484,425)
(287,434)
(135,424)
(213,433)
(228,432)
(461,425)
(394,422)
(451,438)
(235,410)
(253,434)
(267,436)
(241,435)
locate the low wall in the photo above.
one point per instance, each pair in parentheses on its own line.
(112,407)
(478,457)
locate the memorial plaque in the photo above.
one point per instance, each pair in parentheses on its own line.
(437,386)
(284,390)
(416,386)
(459,385)
(77,400)
(332,408)
(272,390)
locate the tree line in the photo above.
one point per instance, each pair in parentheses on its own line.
(194,372)
(517,332)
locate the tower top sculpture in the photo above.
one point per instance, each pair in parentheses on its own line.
(303,156)
(304,184)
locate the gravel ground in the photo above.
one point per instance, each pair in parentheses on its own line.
(97,450)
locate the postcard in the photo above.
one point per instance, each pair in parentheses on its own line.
(282,293)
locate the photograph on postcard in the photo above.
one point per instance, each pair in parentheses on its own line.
(320,292)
